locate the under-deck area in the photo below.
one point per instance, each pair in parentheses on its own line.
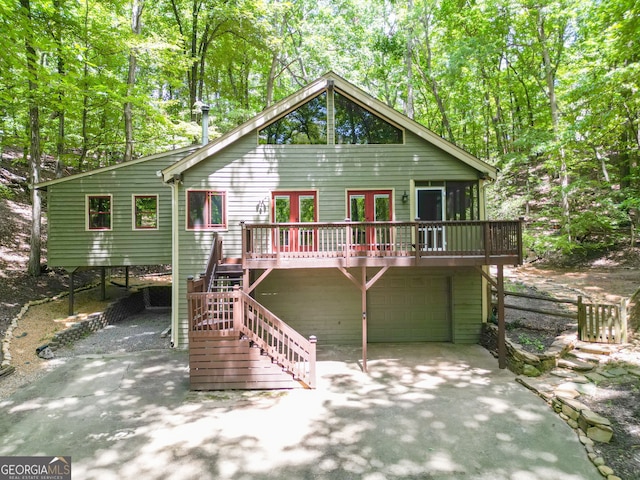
(237,342)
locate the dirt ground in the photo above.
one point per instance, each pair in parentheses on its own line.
(615,398)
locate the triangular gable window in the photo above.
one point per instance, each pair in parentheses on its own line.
(356,125)
(307,125)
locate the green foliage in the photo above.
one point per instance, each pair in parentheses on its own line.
(477,73)
(5,192)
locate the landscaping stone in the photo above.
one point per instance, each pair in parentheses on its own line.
(600,433)
(605,470)
(617,372)
(575,364)
(593,418)
(530,371)
(595,377)
(46,353)
(635,372)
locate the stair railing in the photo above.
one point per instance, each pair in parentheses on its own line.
(215,257)
(288,348)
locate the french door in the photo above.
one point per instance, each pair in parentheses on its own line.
(430,208)
(295,207)
(370,206)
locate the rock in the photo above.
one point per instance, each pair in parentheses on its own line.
(600,433)
(613,477)
(562,373)
(585,440)
(46,353)
(575,364)
(635,372)
(595,377)
(617,372)
(605,471)
(572,423)
(530,371)
(593,418)
(587,357)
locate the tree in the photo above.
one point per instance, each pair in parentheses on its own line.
(34,135)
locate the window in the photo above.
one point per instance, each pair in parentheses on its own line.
(356,125)
(462,201)
(145,212)
(206,209)
(306,125)
(99,212)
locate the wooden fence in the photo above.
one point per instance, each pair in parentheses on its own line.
(597,323)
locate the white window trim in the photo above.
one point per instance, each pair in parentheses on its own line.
(133,212)
(86,212)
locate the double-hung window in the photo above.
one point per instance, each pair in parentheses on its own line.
(206,209)
(145,212)
(98,208)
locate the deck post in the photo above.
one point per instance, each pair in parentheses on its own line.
(126,278)
(238,309)
(502,346)
(71,292)
(364,319)
(103,283)
(312,361)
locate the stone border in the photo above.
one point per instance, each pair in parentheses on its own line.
(589,426)
(5,354)
(80,326)
(521,362)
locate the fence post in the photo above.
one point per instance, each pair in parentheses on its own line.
(312,361)
(624,303)
(582,320)
(238,309)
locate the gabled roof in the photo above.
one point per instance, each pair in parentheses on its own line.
(306,93)
(177,151)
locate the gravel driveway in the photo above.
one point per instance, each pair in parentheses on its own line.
(134,334)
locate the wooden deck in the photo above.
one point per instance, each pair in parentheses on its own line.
(380,244)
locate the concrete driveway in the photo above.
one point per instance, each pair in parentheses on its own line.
(427,411)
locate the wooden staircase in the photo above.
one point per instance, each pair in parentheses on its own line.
(236,343)
(221,362)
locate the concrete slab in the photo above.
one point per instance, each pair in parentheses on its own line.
(424,411)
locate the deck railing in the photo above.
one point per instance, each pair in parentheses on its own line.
(486,241)
(233,313)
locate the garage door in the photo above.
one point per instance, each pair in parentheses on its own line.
(406,305)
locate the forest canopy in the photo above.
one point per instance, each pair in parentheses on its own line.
(547,91)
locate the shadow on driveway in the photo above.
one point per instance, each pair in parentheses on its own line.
(424,411)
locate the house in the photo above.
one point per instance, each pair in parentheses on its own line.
(333,213)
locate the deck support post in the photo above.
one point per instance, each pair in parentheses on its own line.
(126,278)
(71,293)
(502,346)
(103,283)
(364,318)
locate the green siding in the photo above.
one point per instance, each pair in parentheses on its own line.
(71,245)
(249,173)
(467,305)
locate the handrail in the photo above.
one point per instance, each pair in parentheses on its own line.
(215,257)
(383,239)
(235,313)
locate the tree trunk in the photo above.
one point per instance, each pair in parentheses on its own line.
(61,110)
(136,27)
(34,133)
(409,108)
(550,77)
